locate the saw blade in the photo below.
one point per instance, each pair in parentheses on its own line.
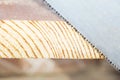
(97,20)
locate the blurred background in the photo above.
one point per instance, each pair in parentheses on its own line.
(56,69)
(47,69)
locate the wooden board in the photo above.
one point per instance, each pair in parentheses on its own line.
(43,39)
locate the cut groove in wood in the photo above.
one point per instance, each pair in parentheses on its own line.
(43,39)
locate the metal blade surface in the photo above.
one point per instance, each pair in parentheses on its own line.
(97,20)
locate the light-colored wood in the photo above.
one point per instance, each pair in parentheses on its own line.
(43,39)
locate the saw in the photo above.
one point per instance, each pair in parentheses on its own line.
(97,20)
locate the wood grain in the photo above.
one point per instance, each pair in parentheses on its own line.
(43,39)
